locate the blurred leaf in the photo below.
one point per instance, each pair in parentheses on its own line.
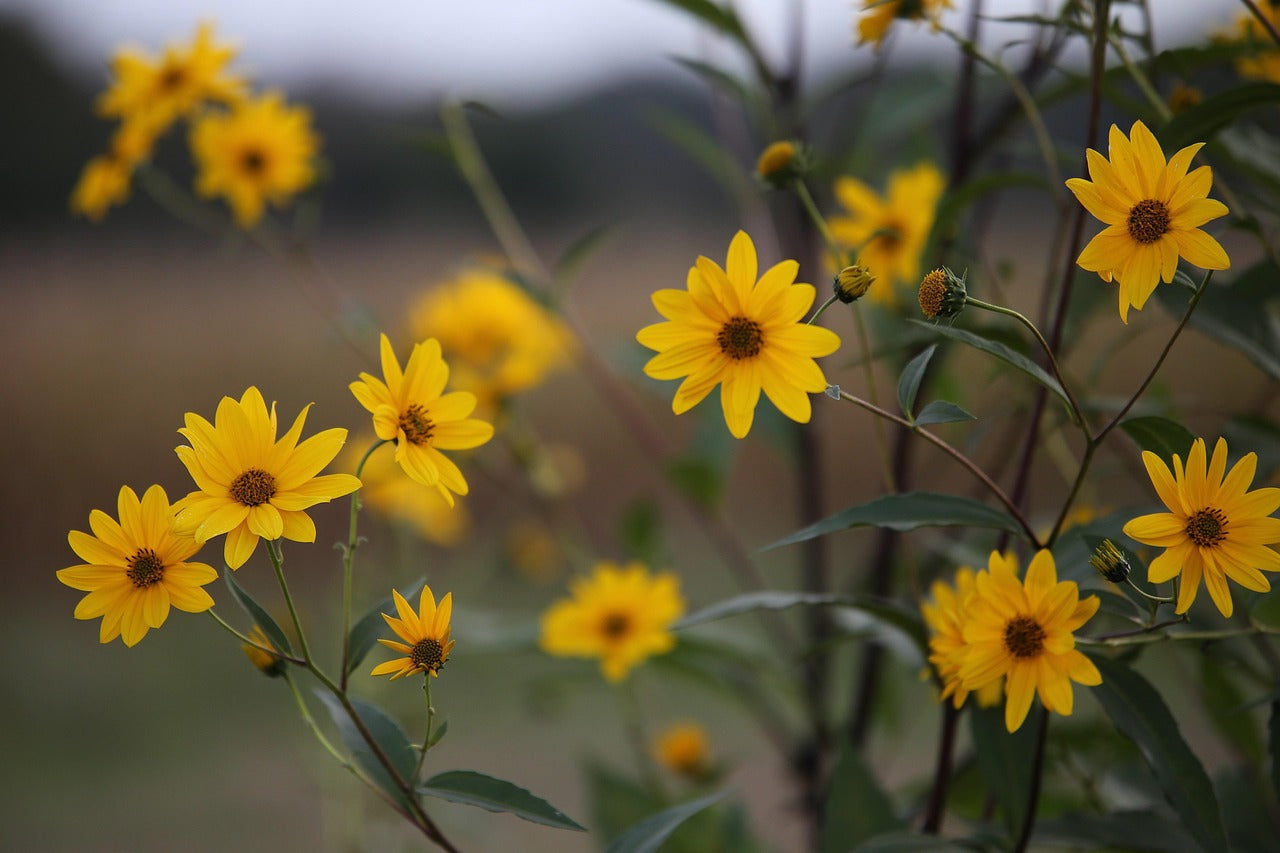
(700,479)
(1161,436)
(1265,613)
(942,412)
(1141,715)
(1014,359)
(364,634)
(569,265)
(1243,315)
(1005,760)
(1201,122)
(718,78)
(438,734)
(856,807)
(907,512)
(907,842)
(1259,434)
(385,731)
(955,202)
(496,795)
(1226,705)
(649,834)
(723,19)
(1137,830)
(617,801)
(1244,810)
(259,615)
(640,531)
(909,380)
(703,148)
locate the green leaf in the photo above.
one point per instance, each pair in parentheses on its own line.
(700,479)
(496,795)
(718,17)
(1201,122)
(364,634)
(386,732)
(719,78)
(1265,613)
(1137,830)
(259,615)
(907,512)
(570,263)
(1226,704)
(909,380)
(1161,436)
(856,806)
(1243,315)
(1010,357)
(1141,715)
(1005,759)
(438,734)
(703,149)
(647,835)
(1244,809)
(942,412)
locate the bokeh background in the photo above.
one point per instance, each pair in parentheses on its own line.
(110,332)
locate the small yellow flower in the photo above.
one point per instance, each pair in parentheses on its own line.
(260,151)
(105,180)
(685,750)
(410,408)
(1153,211)
(1264,61)
(387,492)
(1025,633)
(251,485)
(268,664)
(136,568)
(621,615)
(155,91)
(1216,528)
(498,340)
(888,233)
(880,14)
(745,335)
(946,616)
(426,643)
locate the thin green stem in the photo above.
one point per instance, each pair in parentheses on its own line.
(822,308)
(1142,592)
(1077,414)
(869,373)
(315,729)
(955,454)
(426,738)
(277,563)
(348,561)
(1140,78)
(1157,634)
(806,199)
(249,641)
(633,721)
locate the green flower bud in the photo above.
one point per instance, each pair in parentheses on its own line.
(942,294)
(852,283)
(1110,562)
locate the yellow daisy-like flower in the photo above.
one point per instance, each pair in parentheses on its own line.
(879,15)
(1153,211)
(251,485)
(260,151)
(1215,528)
(685,750)
(426,643)
(499,341)
(411,408)
(888,233)
(621,615)
(389,493)
(1024,632)
(105,180)
(946,616)
(137,568)
(746,335)
(155,91)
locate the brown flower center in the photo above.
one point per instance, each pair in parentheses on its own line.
(1207,527)
(428,654)
(144,568)
(254,487)
(616,626)
(253,161)
(415,425)
(740,338)
(1148,221)
(173,77)
(932,292)
(1023,637)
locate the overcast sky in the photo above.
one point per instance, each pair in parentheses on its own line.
(501,50)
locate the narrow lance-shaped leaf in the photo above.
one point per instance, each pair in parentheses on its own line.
(909,380)
(496,795)
(1199,123)
(1141,715)
(649,834)
(1008,356)
(856,807)
(1161,436)
(386,733)
(942,412)
(258,614)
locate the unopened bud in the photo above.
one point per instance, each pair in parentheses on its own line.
(852,283)
(1110,562)
(267,663)
(780,163)
(942,294)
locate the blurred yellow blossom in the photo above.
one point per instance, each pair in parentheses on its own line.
(105,180)
(945,615)
(684,749)
(389,493)
(878,15)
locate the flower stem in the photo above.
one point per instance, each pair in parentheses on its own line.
(1142,592)
(942,770)
(1033,796)
(821,308)
(249,641)
(277,563)
(426,739)
(348,560)
(806,199)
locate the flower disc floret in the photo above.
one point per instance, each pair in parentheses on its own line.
(1215,529)
(252,486)
(729,328)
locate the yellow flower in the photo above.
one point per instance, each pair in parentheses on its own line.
(135,569)
(684,749)
(426,634)
(268,664)
(386,491)
(499,341)
(880,14)
(1153,211)
(105,180)
(888,234)
(261,151)
(155,91)
(1215,528)
(251,485)
(410,408)
(621,615)
(728,329)
(1024,632)
(946,616)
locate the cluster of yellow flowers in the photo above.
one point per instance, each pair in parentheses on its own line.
(250,150)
